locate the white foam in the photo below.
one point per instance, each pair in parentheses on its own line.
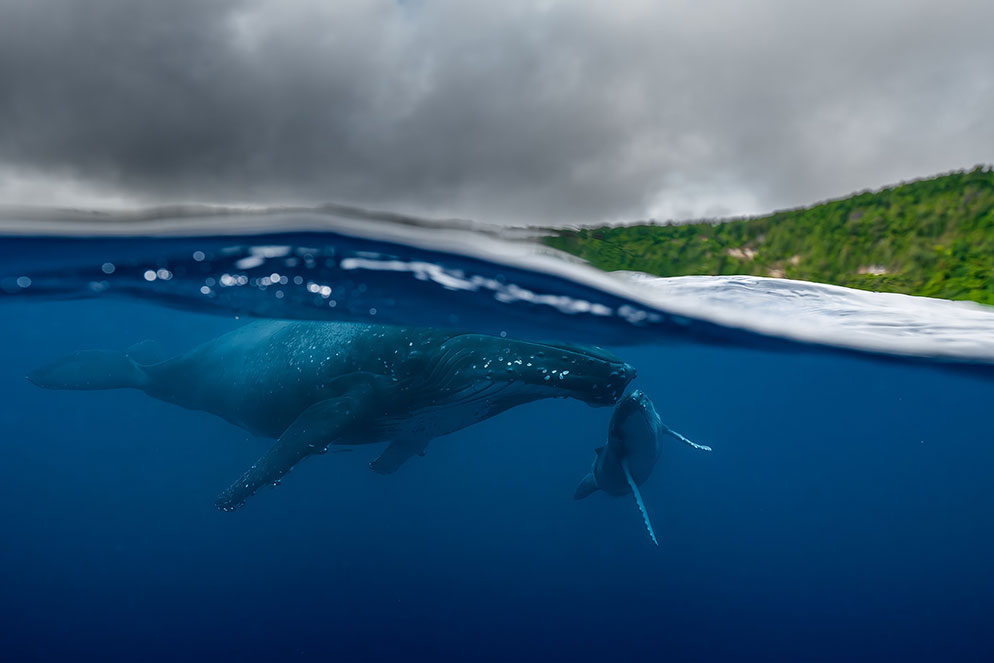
(832,315)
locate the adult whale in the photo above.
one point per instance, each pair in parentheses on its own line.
(315,384)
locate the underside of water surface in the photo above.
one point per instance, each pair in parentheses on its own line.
(844,512)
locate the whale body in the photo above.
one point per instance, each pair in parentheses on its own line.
(310,385)
(631,452)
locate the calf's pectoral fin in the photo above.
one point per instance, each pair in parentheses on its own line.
(670,431)
(638,499)
(397,453)
(315,428)
(586,487)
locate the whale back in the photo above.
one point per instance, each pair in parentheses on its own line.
(263,374)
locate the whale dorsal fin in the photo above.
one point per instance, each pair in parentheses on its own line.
(638,499)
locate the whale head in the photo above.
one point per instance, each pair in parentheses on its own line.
(635,427)
(590,374)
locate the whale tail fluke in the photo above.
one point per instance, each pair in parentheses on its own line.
(92,369)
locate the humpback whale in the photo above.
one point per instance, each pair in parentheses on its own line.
(311,385)
(632,448)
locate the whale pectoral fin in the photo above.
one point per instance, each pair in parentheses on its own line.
(670,431)
(310,433)
(397,453)
(586,487)
(638,499)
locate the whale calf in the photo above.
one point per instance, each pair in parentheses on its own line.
(310,385)
(629,456)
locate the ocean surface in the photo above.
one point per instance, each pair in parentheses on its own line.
(845,512)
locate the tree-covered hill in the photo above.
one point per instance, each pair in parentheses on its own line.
(932,237)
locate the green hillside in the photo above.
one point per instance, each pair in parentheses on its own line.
(932,237)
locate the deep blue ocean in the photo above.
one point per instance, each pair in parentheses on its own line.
(845,513)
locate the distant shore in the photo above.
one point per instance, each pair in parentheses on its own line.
(932,237)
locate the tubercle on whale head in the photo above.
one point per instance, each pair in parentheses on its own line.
(635,404)
(614,389)
(591,374)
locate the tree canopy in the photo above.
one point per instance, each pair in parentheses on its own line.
(932,237)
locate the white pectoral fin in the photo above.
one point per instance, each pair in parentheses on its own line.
(638,499)
(670,431)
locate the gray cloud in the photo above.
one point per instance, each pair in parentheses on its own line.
(518,111)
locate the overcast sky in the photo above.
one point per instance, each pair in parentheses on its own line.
(511,111)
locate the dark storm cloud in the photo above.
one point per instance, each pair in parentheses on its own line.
(514,111)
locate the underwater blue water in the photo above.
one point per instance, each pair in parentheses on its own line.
(844,514)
